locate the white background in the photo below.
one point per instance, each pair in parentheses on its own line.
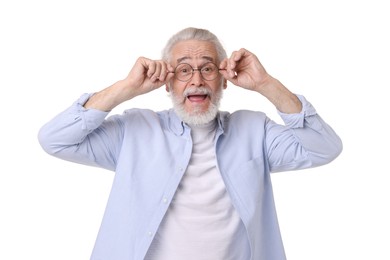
(334,52)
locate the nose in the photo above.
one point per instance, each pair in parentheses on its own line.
(197,79)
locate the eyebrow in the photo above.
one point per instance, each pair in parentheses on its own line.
(208,58)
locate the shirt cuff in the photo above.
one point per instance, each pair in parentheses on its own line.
(91,118)
(297,120)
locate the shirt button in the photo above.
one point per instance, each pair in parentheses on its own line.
(165,200)
(150,233)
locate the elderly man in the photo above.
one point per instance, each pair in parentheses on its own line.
(191,182)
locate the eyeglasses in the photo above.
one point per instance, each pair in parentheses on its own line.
(208,71)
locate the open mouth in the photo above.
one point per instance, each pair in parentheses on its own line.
(197,97)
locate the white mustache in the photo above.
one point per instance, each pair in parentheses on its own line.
(197,91)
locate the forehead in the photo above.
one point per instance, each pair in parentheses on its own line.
(193,50)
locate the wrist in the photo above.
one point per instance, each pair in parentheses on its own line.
(110,97)
(282,98)
(266,84)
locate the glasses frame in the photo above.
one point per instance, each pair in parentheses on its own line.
(197,69)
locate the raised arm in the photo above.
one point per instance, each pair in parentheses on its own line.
(145,76)
(244,69)
(306,140)
(81,133)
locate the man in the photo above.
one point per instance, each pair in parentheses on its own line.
(191,182)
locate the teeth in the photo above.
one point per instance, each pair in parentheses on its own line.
(194,91)
(196,94)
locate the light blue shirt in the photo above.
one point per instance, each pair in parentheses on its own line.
(149,151)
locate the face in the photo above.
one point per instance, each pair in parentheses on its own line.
(196,101)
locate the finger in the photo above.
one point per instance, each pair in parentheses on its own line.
(241,53)
(170,75)
(223,64)
(224,68)
(164,71)
(231,68)
(233,80)
(228,73)
(236,57)
(232,74)
(170,68)
(232,60)
(156,72)
(151,69)
(167,72)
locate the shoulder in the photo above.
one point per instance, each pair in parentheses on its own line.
(138,116)
(141,114)
(243,116)
(243,123)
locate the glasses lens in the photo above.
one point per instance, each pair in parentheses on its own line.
(183,72)
(209,71)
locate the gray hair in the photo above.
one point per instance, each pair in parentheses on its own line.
(192,33)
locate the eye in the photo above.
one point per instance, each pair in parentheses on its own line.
(208,68)
(183,69)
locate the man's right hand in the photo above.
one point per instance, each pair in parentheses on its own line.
(145,76)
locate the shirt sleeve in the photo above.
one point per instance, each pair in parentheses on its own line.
(305,140)
(72,135)
(297,120)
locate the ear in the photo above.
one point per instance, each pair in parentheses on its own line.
(224,83)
